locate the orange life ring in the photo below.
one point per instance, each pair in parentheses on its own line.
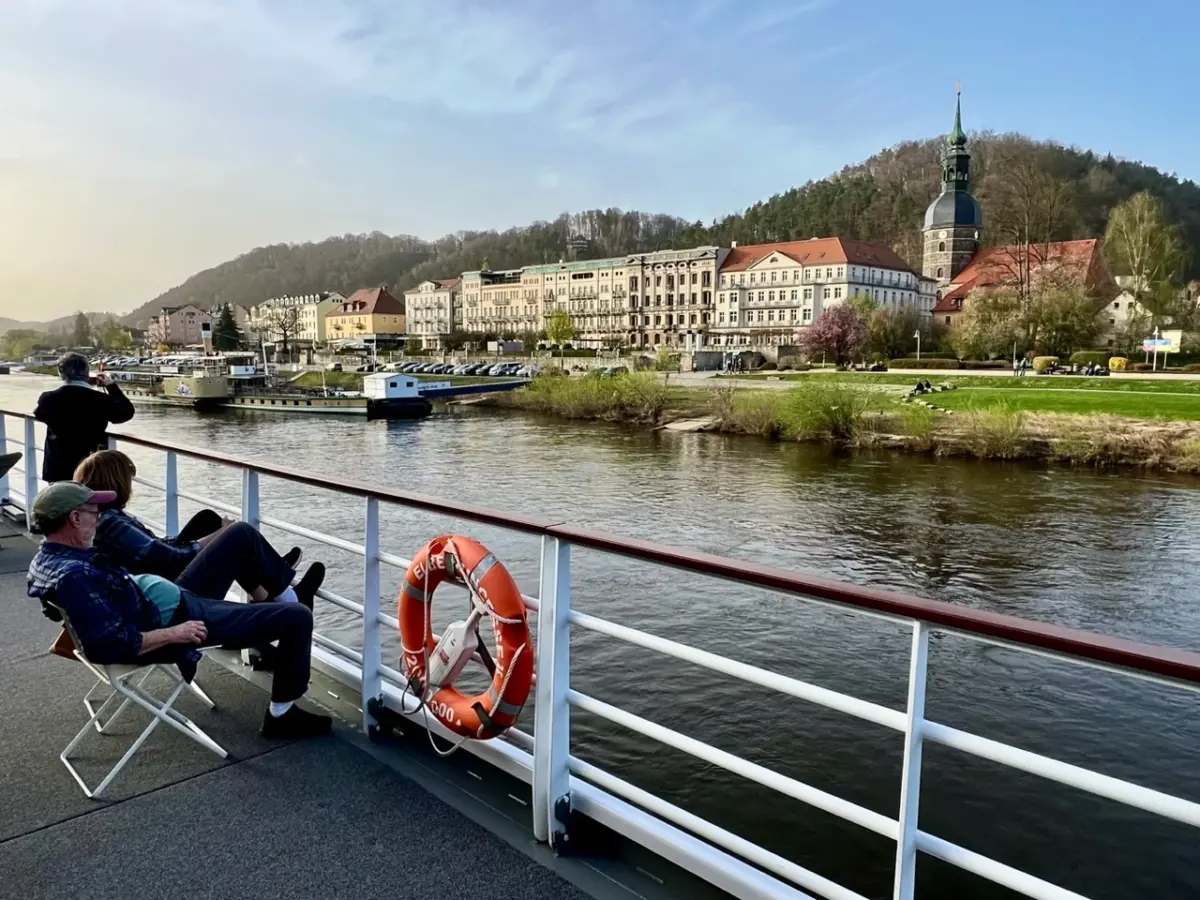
(466,562)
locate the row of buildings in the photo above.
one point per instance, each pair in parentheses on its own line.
(755,296)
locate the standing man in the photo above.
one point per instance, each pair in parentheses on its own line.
(77,416)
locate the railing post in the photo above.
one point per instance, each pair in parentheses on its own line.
(910,782)
(171,493)
(250,515)
(372,652)
(552,725)
(31,471)
(112,441)
(3,449)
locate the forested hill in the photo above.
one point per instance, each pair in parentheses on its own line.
(1067,193)
(353,261)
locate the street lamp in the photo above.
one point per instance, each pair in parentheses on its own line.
(917,335)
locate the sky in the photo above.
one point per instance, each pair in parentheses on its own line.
(144,140)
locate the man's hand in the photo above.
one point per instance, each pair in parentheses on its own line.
(103,379)
(226,521)
(192,632)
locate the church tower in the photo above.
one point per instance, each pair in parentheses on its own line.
(953,220)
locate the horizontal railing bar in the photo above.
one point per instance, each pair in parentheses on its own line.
(1121,653)
(997,872)
(338,600)
(784,684)
(211,503)
(1065,773)
(138,479)
(726,840)
(730,874)
(797,790)
(16,442)
(341,649)
(318,536)
(390,621)
(391,559)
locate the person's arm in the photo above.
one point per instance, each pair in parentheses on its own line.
(42,410)
(120,408)
(191,632)
(121,539)
(106,638)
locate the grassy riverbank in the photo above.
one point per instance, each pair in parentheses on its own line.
(834,410)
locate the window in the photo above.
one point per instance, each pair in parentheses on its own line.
(939,272)
(942,247)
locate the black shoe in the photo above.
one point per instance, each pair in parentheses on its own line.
(295,724)
(293,557)
(306,587)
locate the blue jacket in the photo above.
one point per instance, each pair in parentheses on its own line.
(108,611)
(133,546)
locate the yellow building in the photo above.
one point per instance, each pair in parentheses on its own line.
(366,312)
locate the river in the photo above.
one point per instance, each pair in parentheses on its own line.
(1112,552)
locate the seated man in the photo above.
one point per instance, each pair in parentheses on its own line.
(117,623)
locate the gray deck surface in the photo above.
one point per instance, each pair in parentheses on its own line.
(320,818)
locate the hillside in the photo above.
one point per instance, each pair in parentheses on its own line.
(62,324)
(1069,192)
(353,261)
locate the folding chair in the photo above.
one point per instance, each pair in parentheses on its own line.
(121,679)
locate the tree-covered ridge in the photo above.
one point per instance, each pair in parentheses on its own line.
(1064,192)
(884,198)
(353,261)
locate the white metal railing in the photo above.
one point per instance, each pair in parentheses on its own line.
(562,781)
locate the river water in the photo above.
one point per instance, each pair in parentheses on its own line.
(1112,552)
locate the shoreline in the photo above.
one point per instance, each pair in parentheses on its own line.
(846,416)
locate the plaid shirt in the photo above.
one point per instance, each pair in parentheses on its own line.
(108,612)
(129,543)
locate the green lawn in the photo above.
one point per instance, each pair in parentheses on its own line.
(1037,383)
(1148,405)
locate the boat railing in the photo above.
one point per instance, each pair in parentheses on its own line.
(545,760)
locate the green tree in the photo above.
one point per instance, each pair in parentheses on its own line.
(82,335)
(890,331)
(1141,243)
(17,343)
(1068,317)
(111,336)
(413,345)
(991,325)
(226,335)
(559,328)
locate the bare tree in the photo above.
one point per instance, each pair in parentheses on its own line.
(282,323)
(1139,242)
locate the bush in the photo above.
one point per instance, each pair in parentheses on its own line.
(927,355)
(1140,367)
(924,363)
(1192,367)
(1042,363)
(769,367)
(986,364)
(1118,364)
(1089,357)
(832,410)
(635,398)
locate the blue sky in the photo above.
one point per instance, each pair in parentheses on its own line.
(143,140)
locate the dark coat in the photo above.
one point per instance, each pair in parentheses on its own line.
(76,419)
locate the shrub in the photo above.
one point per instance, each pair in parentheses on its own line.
(986,364)
(925,354)
(1118,364)
(769,367)
(1089,357)
(1192,367)
(1042,363)
(825,409)
(1140,367)
(924,363)
(637,397)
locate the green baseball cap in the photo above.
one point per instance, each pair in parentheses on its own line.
(62,497)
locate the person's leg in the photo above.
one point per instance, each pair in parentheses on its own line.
(239,553)
(240,625)
(202,524)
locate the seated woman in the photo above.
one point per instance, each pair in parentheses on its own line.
(220,547)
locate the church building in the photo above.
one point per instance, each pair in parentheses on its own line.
(953,257)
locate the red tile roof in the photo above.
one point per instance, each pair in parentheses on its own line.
(368,301)
(446,284)
(817,251)
(997,266)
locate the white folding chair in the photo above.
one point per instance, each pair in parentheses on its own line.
(121,678)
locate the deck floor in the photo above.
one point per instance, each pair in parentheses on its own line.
(320,818)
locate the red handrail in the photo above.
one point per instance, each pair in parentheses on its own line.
(1166,662)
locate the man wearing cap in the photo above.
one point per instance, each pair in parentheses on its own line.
(121,621)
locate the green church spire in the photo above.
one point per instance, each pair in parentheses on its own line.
(957,137)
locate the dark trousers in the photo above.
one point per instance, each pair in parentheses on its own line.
(241,625)
(202,524)
(239,553)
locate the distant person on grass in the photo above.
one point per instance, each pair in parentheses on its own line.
(77,416)
(118,621)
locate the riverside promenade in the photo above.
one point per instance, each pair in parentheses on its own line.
(331,817)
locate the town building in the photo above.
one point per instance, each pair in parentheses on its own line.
(301,316)
(591,291)
(433,309)
(671,296)
(367,313)
(500,302)
(767,293)
(953,231)
(178,326)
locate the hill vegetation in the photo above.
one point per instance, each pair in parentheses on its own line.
(1064,192)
